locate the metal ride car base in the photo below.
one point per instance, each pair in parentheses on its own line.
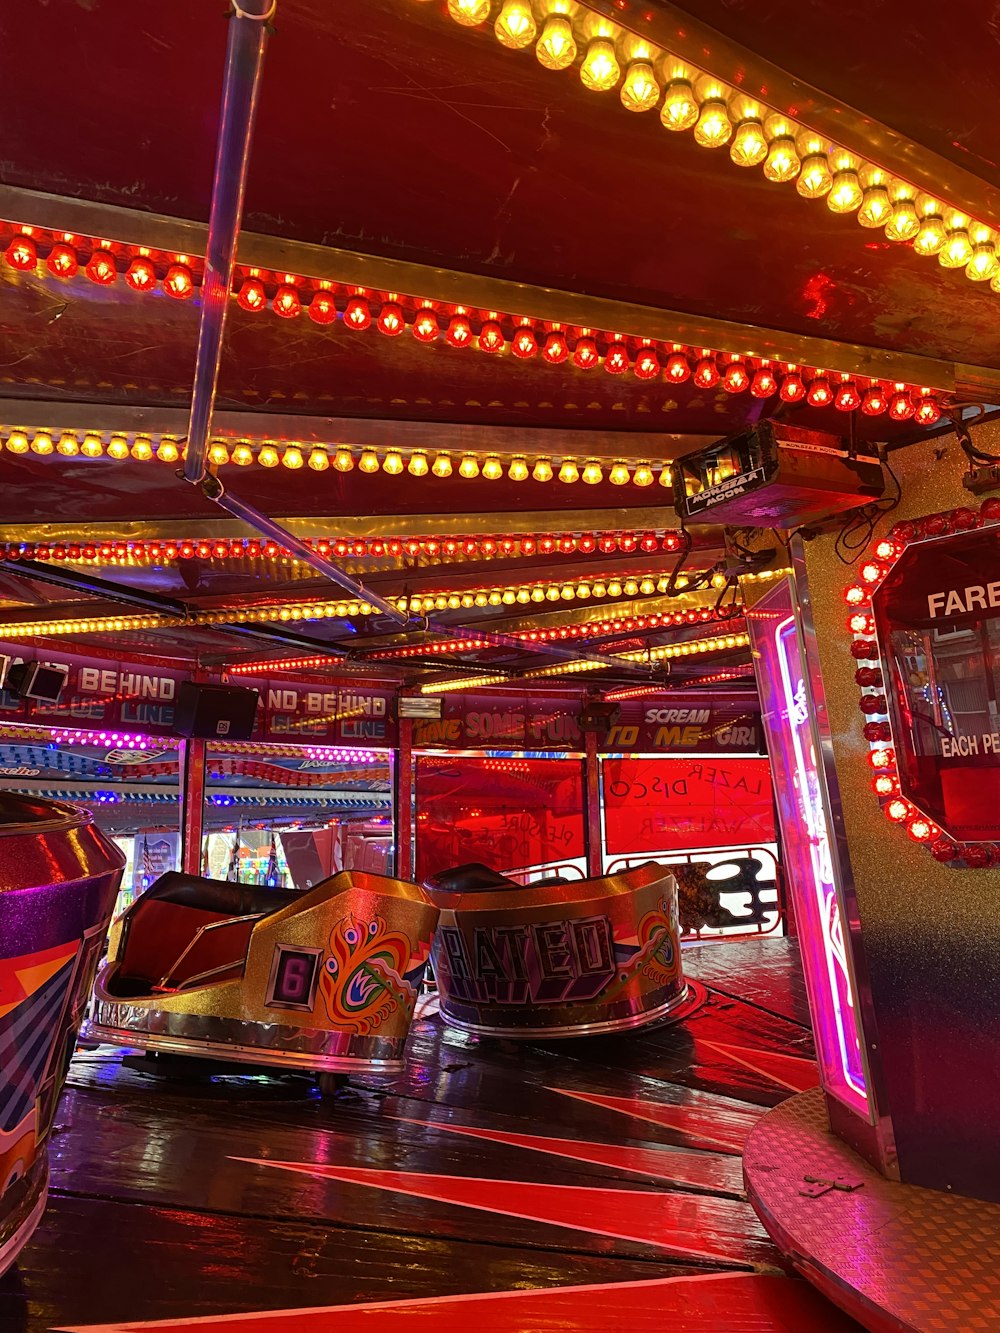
(225,1039)
(22,1215)
(898,1258)
(673,1011)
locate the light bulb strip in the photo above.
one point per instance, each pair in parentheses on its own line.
(870,676)
(560,590)
(693,648)
(468,547)
(757,135)
(491,332)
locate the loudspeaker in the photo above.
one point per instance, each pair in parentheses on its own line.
(599,716)
(35,680)
(215,711)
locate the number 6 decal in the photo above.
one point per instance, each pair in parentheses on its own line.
(293,978)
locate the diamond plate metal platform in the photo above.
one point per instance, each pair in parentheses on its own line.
(895,1257)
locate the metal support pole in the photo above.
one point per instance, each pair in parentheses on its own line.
(403,802)
(246,44)
(592,805)
(192,779)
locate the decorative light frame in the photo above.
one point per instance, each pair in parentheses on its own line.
(868,656)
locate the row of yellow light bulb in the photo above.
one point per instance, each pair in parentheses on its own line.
(392,462)
(718,644)
(756,135)
(421,604)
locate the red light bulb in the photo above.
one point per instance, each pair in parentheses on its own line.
(900,406)
(62,261)
(287,302)
(357,313)
(178,282)
(525,343)
(855,595)
(678,367)
(792,390)
(391,321)
(647,365)
(556,349)
(22,253)
(140,275)
(927,412)
(764,383)
(874,402)
(616,359)
(735,379)
(252,295)
(820,394)
(101,268)
(847,398)
(459,332)
(491,337)
(425,326)
(706,373)
(322,308)
(585,354)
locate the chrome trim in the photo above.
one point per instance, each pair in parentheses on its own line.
(247,1055)
(680,1006)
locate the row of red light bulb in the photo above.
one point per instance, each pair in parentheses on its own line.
(737,375)
(238,548)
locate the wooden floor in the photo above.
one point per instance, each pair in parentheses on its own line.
(591,1185)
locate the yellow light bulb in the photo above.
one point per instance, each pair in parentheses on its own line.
(292,457)
(368,462)
(343,460)
(983,264)
(643,475)
(441,467)
(569,472)
(418,465)
(469,467)
(815,178)
(518,470)
(42,443)
(393,464)
(493,469)
(218,454)
(876,207)
(957,249)
(118,447)
(640,91)
(556,48)
(680,107)
(681,582)
(552,594)
(593,473)
(647,587)
(931,235)
(509,597)
(319,460)
(268,456)
(470,13)
(142,449)
(167,452)
(904,223)
(538,594)
(714,128)
(783,162)
(68,446)
(614,588)
(666,477)
(600,70)
(845,192)
(515,26)
(618,476)
(749,147)
(542,470)
(495,598)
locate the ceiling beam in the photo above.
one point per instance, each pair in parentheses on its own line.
(548,304)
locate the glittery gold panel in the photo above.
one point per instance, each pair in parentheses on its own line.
(594,955)
(330,981)
(931,934)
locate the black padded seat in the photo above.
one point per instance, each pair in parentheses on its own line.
(471,878)
(218,895)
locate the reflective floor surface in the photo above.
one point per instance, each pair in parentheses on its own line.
(585,1185)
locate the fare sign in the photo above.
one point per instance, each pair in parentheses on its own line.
(937,616)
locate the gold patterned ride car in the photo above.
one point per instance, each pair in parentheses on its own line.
(324,980)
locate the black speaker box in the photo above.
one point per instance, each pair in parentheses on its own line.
(215,711)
